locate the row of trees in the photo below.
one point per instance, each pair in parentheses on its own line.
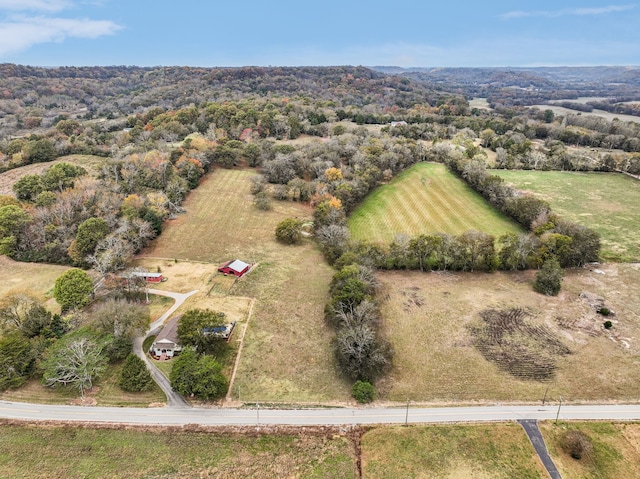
(362,353)
(573,244)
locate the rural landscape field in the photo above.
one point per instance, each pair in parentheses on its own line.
(289,282)
(437,310)
(425,199)
(384,263)
(606,202)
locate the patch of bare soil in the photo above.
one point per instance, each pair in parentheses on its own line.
(516,344)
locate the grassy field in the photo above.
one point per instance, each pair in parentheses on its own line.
(34,279)
(560,110)
(606,202)
(427,316)
(615,450)
(287,355)
(426,198)
(454,452)
(45,452)
(221,222)
(8,178)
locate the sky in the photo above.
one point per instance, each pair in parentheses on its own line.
(410,33)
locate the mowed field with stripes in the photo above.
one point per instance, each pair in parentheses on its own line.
(426,199)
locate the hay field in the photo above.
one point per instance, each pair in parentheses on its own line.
(287,354)
(497,451)
(221,222)
(615,449)
(425,199)
(66,451)
(427,318)
(606,202)
(35,279)
(560,110)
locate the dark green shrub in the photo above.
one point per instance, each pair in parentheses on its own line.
(289,231)
(604,311)
(549,278)
(608,325)
(135,376)
(363,392)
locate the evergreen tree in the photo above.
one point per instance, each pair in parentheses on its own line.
(549,278)
(135,376)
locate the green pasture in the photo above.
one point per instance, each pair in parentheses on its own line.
(425,199)
(606,202)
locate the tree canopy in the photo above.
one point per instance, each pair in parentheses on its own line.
(196,328)
(73,289)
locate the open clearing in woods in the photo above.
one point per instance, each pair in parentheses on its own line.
(606,202)
(615,449)
(287,354)
(8,178)
(426,317)
(497,451)
(425,199)
(57,451)
(35,279)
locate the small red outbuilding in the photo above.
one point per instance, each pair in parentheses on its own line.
(235,267)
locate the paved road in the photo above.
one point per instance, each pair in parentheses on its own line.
(178,297)
(530,426)
(173,399)
(311,417)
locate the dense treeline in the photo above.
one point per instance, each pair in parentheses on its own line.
(527,86)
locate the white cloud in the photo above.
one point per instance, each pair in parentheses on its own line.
(481,52)
(21,33)
(569,12)
(39,5)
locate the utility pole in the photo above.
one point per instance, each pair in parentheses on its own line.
(406,416)
(559,406)
(258,412)
(545,395)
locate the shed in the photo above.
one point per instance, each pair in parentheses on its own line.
(166,344)
(222,331)
(235,267)
(148,277)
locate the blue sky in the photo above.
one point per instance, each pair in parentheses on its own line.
(327,32)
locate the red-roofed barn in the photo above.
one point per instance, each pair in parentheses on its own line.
(235,267)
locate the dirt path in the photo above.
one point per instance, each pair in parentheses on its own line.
(235,366)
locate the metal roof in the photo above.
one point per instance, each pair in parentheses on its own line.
(238,265)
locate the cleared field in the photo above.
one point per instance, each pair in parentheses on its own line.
(45,452)
(560,110)
(456,452)
(606,202)
(35,279)
(287,354)
(221,222)
(425,199)
(8,178)
(480,103)
(426,317)
(614,449)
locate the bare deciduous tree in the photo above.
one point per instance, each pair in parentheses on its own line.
(77,364)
